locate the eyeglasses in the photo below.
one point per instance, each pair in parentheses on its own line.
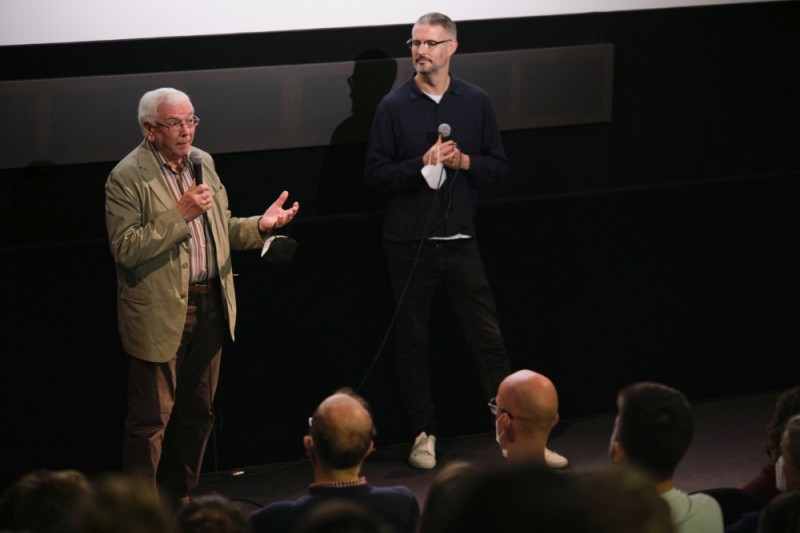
(496,409)
(177,125)
(427,44)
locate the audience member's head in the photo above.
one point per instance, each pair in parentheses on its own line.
(782,514)
(787,475)
(653,429)
(788,404)
(452,480)
(340,436)
(211,513)
(518,498)
(341,432)
(41,500)
(624,500)
(341,516)
(526,410)
(123,503)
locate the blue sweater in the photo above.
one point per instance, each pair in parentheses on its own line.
(397,505)
(405,126)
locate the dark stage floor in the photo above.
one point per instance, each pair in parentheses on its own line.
(726,452)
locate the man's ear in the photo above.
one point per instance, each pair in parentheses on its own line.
(618,454)
(308,444)
(510,434)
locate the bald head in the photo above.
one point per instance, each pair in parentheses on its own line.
(346,412)
(342,430)
(530,404)
(530,396)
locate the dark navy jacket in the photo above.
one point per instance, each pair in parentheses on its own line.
(396,505)
(405,126)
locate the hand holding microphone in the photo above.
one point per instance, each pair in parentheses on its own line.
(203,196)
(442,149)
(449,152)
(451,155)
(197,200)
(443,153)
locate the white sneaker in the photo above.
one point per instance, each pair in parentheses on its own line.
(423,452)
(554,460)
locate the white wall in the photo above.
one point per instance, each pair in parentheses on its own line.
(60,21)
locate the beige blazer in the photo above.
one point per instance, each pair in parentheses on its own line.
(149,243)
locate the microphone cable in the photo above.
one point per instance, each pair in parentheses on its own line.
(401,297)
(451,187)
(305,459)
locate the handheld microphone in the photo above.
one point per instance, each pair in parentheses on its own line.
(444,130)
(197,170)
(197,167)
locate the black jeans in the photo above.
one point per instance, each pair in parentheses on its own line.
(415,274)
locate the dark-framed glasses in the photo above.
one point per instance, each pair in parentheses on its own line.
(412,44)
(177,125)
(497,410)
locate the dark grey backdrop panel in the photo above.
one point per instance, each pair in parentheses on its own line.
(93,119)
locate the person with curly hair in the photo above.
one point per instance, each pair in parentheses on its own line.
(763,487)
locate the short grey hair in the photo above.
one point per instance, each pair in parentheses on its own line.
(439,19)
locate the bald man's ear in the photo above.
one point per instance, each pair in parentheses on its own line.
(617,452)
(308,444)
(507,426)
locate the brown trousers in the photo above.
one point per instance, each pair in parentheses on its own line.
(170,405)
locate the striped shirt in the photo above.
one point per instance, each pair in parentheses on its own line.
(201,244)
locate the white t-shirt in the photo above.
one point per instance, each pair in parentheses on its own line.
(694,513)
